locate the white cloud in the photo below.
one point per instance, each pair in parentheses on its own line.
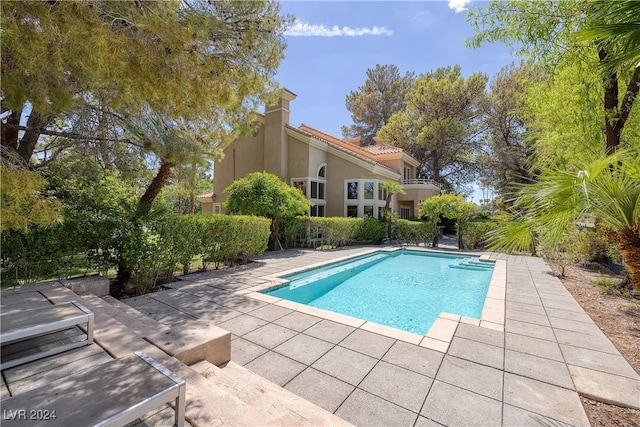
(305,29)
(458,5)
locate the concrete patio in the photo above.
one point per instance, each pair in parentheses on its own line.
(527,368)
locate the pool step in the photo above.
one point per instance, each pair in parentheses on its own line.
(473,266)
(331,271)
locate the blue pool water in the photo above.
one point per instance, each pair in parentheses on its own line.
(403,289)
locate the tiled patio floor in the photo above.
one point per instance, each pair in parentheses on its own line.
(527,372)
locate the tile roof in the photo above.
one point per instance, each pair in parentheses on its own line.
(382,149)
(336,143)
(370,151)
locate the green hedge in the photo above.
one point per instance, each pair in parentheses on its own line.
(475,231)
(154,250)
(331,231)
(413,232)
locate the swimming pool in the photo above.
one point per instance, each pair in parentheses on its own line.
(404,289)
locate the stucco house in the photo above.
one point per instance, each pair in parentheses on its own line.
(339,176)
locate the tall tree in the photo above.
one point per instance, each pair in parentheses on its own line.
(603,33)
(84,71)
(440,125)
(373,104)
(509,147)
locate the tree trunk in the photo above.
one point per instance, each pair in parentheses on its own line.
(616,113)
(125,270)
(628,240)
(156,185)
(192,189)
(35,125)
(10,131)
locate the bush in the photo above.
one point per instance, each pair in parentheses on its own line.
(475,231)
(225,238)
(153,249)
(331,232)
(413,232)
(369,230)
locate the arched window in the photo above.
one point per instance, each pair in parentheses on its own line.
(322,171)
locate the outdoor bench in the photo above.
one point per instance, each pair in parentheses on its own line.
(114,393)
(27,324)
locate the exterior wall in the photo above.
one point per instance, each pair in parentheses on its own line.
(339,170)
(395,164)
(317,157)
(207,206)
(299,161)
(415,193)
(243,156)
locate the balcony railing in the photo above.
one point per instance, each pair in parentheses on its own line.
(420,182)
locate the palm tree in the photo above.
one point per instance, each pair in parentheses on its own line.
(391,188)
(606,188)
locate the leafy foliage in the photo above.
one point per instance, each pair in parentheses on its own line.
(373,104)
(22,200)
(439,125)
(413,232)
(510,148)
(448,206)
(475,232)
(167,241)
(86,60)
(598,37)
(607,188)
(264,194)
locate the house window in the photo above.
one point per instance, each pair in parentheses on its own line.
(368,211)
(317,210)
(352,190)
(407,173)
(380,212)
(382,193)
(322,172)
(368,190)
(405,212)
(321,186)
(314,189)
(216,208)
(363,199)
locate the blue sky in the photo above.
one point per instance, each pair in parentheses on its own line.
(333,43)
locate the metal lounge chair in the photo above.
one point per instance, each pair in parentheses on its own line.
(114,393)
(27,324)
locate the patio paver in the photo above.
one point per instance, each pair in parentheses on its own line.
(454,406)
(525,368)
(365,409)
(322,389)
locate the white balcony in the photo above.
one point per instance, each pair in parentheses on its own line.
(416,183)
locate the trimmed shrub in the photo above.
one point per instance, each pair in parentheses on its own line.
(331,231)
(475,231)
(413,232)
(225,238)
(369,230)
(155,249)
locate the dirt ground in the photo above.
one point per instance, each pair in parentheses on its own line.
(619,317)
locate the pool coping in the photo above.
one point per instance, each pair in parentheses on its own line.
(440,334)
